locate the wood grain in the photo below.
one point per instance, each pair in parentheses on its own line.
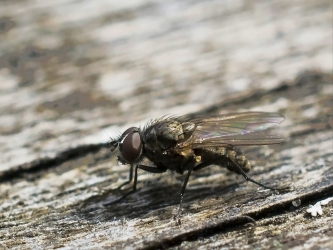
(74,73)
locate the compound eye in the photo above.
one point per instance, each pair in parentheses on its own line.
(131,146)
(129,130)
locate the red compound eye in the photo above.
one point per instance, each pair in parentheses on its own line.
(130,148)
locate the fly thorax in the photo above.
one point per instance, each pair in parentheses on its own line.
(169,134)
(150,137)
(187,131)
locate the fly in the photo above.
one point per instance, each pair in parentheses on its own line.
(186,144)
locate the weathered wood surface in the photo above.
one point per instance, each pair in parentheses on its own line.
(72,73)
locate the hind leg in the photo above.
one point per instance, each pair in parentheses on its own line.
(225,161)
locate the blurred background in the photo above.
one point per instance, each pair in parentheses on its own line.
(76,72)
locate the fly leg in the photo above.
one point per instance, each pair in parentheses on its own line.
(134,184)
(208,163)
(127,182)
(143,167)
(182,192)
(223,161)
(253,181)
(130,178)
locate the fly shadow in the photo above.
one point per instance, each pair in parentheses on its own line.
(159,197)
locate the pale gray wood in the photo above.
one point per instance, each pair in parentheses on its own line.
(73,73)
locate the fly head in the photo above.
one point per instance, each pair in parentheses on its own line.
(130,146)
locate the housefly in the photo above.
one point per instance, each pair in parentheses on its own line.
(186,144)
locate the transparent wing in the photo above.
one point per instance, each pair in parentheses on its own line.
(233,129)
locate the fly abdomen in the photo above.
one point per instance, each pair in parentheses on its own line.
(224,157)
(239,159)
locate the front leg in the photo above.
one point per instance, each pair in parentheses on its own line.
(156,170)
(143,167)
(130,178)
